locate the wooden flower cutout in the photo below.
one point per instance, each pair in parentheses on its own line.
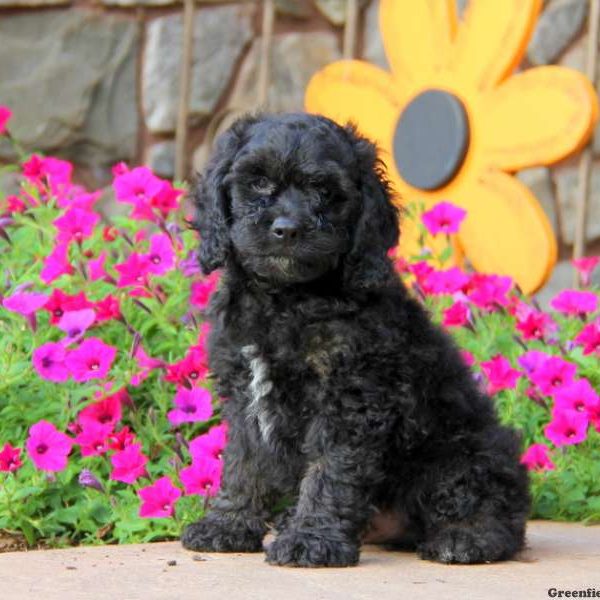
(453,122)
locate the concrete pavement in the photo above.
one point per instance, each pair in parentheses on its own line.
(561,556)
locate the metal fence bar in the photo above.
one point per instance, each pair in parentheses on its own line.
(351,29)
(585,165)
(184,89)
(264,67)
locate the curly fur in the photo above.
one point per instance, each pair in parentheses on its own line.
(338,390)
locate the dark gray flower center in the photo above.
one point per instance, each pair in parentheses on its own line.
(431,139)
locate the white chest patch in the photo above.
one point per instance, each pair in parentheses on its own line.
(260,387)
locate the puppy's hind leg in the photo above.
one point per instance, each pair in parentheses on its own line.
(474,506)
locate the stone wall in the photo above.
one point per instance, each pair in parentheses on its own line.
(97,80)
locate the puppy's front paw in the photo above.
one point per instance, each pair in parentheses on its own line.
(294,549)
(219,534)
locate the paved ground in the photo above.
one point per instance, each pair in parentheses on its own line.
(560,556)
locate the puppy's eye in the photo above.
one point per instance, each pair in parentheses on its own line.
(327,193)
(263,185)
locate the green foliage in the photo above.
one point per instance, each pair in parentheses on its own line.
(54,507)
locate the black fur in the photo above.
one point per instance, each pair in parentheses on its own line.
(338,390)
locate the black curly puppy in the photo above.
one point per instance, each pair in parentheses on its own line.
(338,390)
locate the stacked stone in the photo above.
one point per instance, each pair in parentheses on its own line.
(98,82)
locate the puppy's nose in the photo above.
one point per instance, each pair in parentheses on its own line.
(284,229)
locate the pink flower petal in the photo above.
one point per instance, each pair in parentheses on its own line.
(47,447)
(25,303)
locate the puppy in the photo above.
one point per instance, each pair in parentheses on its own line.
(342,398)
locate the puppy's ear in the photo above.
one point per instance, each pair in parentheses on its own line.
(376,230)
(212,197)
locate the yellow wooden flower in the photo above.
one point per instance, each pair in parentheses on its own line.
(453,122)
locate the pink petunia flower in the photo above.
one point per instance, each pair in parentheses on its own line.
(468,358)
(574,302)
(76,322)
(57,264)
(201,291)
(488,291)
(5,115)
(534,394)
(142,211)
(47,447)
(138,187)
(420,270)
(567,427)
(92,360)
(553,374)
(10,459)
(500,374)
(167,200)
(401,265)
(444,217)
(94,437)
(138,184)
(192,405)
(59,303)
(589,338)
(78,197)
(209,445)
(202,477)
(161,257)
(25,303)
(579,396)
(535,325)
(76,224)
(110,233)
(532,360)
(49,362)
(48,173)
(191,370)
(107,411)
(158,499)
(107,309)
(536,458)
(593,412)
(39,167)
(119,169)
(14,204)
(456,315)
(96,268)
(146,363)
(128,464)
(134,271)
(446,281)
(585,266)
(121,439)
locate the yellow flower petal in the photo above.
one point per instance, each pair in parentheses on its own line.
(506,231)
(536,117)
(492,39)
(417,36)
(358,92)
